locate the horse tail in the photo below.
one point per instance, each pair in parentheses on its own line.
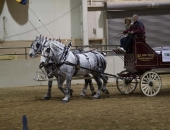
(101,61)
(102,66)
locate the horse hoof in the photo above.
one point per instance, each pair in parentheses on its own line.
(46,97)
(96,97)
(94,93)
(64,101)
(105,91)
(71,92)
(82,94)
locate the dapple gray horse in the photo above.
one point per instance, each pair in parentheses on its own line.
(69,65)
(36,49)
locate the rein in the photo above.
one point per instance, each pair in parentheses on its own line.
(116,37)
(69,63)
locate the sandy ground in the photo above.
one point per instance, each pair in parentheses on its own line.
(112,112)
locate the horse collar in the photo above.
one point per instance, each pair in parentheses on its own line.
(63,56)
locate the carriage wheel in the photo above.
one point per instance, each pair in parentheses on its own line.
(150,83)
(126,84)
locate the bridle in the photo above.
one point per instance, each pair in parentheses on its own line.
(62,56)
(38,45)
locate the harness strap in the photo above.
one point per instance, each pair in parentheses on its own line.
(100,61)
(77,67)
(65,54)
(87,59)
(96,58)
(63,57)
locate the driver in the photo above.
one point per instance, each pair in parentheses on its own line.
(136,28)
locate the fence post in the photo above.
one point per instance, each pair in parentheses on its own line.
(25,53)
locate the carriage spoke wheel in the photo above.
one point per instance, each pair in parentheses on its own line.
(150,83)
(126,84)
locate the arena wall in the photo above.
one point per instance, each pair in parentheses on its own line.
(14,73)
(54,18)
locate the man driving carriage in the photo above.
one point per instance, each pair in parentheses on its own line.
(137,28)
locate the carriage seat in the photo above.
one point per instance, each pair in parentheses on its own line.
(140,36)
(137,38)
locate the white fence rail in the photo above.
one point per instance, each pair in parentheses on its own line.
(16,73)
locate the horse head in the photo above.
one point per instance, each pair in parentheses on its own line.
(36,46)
(52,50)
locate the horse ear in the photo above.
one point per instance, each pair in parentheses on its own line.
(70,44)
(59,40)
(46,39)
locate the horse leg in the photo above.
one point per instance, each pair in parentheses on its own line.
(99,83)
(83,92)
(67,91)
(60,84)
(104,90)
(91,87)
(88,81)
(105,79)
(48,95)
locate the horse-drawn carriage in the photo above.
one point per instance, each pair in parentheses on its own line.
(139,65)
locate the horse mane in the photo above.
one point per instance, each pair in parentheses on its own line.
(57,44)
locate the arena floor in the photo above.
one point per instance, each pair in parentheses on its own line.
(112,112)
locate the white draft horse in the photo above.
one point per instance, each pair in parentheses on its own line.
(36,50)
(69,65)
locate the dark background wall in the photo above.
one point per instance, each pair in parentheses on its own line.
(156,21)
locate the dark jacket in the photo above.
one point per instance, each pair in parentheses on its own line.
(137,27)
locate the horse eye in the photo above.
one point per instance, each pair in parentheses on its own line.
(37,45)
(48,50)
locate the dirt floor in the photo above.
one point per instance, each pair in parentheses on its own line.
(112,112)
